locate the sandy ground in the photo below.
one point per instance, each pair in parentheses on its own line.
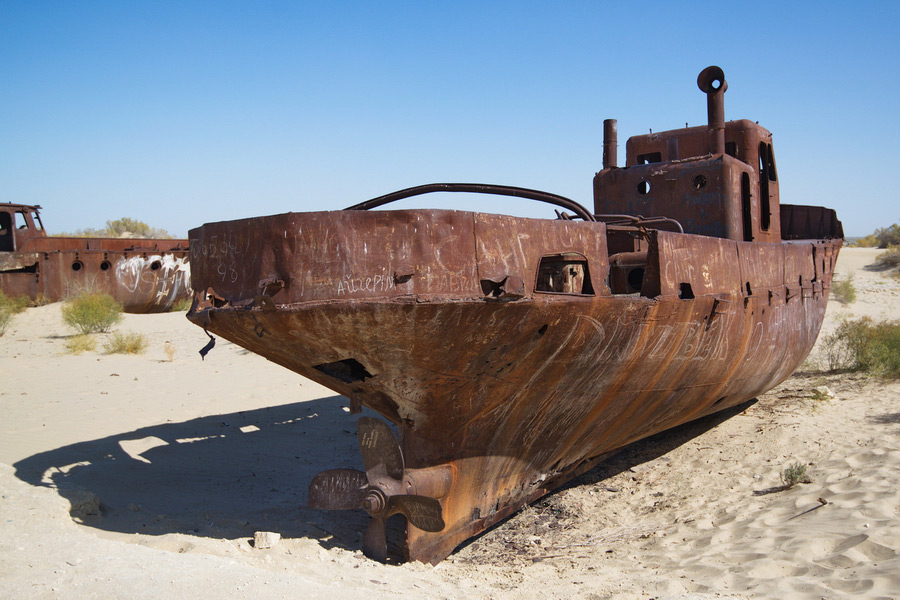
(188,458)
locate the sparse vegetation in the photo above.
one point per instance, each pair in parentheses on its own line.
(122,228)
(82,342)
(794,474)
(884,237)
(125,343)
(889,259)
(843,290)
(865,345)
(181,305)
(5,318)
(10,306)
(822,394)
(91,312)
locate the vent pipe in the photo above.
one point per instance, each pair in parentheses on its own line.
(711,81)
(610,143)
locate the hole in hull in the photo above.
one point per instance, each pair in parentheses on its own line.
(348,370)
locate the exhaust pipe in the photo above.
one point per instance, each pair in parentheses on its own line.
(610,143)
(711,81)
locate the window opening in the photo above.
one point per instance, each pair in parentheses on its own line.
(565,273)
(650,157)
(6,232)
(745,207)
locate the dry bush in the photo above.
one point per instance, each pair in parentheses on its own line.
(80,343)
(889,259)
(125,343)
(10,306)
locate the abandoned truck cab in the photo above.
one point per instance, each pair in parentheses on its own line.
(512,354)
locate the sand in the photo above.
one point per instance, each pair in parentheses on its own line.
(170,463)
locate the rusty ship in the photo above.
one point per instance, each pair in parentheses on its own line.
(144,275)
(511,354)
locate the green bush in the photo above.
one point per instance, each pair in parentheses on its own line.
(843,290)
(125,343)
(8,307)
(888,236)
(91,312)
(794,474)
(865,345)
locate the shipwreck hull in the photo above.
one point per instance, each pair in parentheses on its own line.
(507,351)
(144,275)
(143,281)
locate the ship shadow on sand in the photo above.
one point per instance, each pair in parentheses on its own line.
(226,476)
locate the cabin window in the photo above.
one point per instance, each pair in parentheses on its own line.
(731,149)
(766,174)
(650,157)
(770,163)
(565,273)
(6,234)
(746,214)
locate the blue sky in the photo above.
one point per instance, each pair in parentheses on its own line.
(181,113)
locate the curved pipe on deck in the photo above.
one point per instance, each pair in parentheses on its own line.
(711,82)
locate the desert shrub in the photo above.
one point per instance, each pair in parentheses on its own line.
(125,227)
(91,312)
(865,345)
(181,305)
(14,304)
(794,474)
(843,290)
(870,241)
(889,259)
(80,343)
(888,236)
(5,318)
(40,300)
(125,343)
(10,306)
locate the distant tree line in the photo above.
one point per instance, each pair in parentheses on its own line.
(122,228)
(884,237)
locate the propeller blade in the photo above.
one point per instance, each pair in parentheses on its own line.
(375,540)
(379,448)
(338,489)
(421,511)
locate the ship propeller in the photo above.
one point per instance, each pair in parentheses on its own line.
(381,491)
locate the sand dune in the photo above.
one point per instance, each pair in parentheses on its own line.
(185,459)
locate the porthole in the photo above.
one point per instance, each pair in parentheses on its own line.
(643,187)
(77,265)
(700,181)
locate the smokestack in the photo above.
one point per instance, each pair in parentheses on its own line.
(610,143)
(711,81)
